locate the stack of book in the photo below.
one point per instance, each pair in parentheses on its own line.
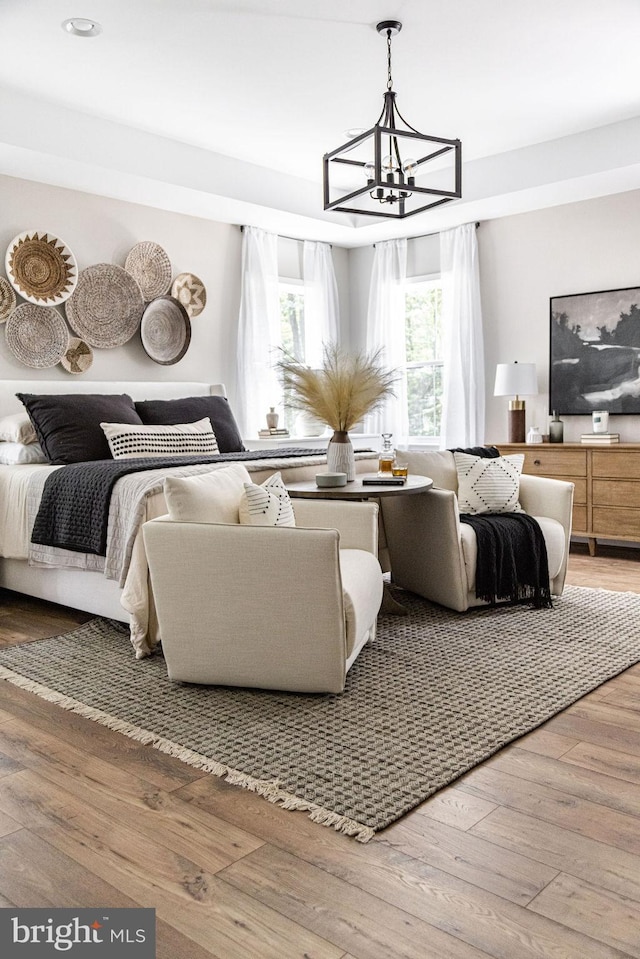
(272,433)
(600,439)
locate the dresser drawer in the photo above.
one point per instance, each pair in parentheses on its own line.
(579,519)
(612,522)
(616,463)
(551,462)
(580,491)
(616,493)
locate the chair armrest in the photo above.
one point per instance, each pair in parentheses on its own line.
(357,523)
(423,534)
(542,496)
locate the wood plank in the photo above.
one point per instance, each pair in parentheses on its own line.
(561,849)
(598,734)
(545,743)
(552,805)
(458,853)
(610,918)
(164,771)
(350,918)
(178,825)
(611,762)
(193,901)
(453,809)
(480,919)
(624,698)
(604,712)
(570,779)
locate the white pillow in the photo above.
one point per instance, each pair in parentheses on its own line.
(127,441)
(17,428)
(208,497)
(489,485)
(267,505)
(17,454)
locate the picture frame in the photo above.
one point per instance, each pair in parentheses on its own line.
(594,357)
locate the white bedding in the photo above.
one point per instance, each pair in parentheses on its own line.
(15,530)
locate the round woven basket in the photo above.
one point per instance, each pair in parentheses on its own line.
(150,267)
(7,299)
(41,268)
(165,330)
(36,335)
(190,290)
(106,306)
(77,357)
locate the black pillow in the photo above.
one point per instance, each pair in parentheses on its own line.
(68,426)
(192,408)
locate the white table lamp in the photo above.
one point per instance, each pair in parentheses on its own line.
(516,380)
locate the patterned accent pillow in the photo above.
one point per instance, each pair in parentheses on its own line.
(489,485)
(17,454)
(267,505)
(183,439)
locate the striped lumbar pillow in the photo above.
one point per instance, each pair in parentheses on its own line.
(184,439)
(489,485)
(266,505)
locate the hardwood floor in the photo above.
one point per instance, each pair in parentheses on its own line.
(535,854)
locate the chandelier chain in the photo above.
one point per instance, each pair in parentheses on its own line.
(389,80)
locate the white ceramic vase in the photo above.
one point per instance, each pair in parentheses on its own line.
(340,456)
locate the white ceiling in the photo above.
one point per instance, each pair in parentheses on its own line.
(544,95)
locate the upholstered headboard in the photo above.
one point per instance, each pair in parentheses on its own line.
(9,403)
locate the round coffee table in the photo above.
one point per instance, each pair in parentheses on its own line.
(307,489)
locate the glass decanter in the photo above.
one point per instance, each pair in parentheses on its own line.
(387,456)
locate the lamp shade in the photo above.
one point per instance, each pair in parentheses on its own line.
(516,379)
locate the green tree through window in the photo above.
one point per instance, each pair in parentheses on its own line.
(423,335)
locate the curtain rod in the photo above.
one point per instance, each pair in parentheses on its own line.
(423,236)
(283,236)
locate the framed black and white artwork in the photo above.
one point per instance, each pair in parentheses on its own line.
(595,352)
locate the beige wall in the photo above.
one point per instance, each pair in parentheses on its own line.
(526,259)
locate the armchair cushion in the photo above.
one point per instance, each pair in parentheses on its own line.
(554,538)
(266,505)
(489,485)
(208,497)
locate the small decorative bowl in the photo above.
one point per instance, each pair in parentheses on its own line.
(325,480)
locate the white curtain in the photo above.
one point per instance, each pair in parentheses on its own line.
(258,330)
(463,351)
(385,328)
(321,309)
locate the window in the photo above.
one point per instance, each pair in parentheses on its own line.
(292,332)
(423,335)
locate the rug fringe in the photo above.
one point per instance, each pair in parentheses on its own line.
(268,789)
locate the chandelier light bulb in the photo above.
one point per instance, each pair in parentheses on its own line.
(370,172)
(388,165)
(409,167)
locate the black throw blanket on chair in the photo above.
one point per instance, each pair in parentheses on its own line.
(512,558)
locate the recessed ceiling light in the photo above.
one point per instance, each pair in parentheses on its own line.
(80,27)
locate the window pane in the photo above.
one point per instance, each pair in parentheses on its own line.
(292,320)
(423,304)
(424,399)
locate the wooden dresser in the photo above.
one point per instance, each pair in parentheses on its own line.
(607,479)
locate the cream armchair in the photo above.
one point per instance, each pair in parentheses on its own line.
(274,607)
(433,554)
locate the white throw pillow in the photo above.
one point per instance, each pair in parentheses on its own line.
(489,485)
(127,441)
(267,505)
(208,497)
(17,454)
(17,428)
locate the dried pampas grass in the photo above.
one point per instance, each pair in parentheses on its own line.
(342,391)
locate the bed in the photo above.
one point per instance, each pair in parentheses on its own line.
(116,588)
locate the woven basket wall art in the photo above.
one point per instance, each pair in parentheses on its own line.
(190,290)
(165,330)
(77,357)
(106,306)
(150,267)
(41,268)
(7,299)
(36,335)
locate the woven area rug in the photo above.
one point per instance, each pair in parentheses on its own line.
(434,695)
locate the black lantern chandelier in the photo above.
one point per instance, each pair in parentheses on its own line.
(392,170)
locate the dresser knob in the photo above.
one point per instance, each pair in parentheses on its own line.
(536,462)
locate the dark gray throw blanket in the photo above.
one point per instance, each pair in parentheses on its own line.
(512,558)
(74,508)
